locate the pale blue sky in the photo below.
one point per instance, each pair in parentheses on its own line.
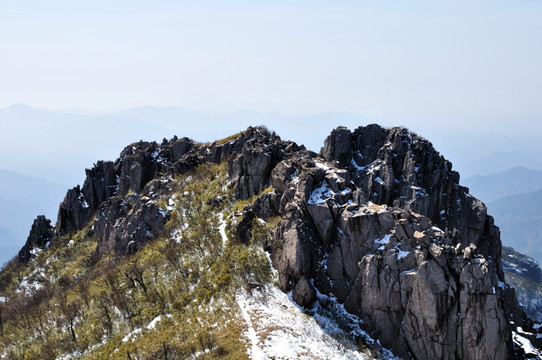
(425,60)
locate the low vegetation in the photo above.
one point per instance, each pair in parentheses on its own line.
(175,298)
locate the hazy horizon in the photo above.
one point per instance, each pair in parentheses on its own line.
(450,62)
(58,145)
(63,143)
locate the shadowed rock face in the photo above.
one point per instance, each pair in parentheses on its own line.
(40,234)
(377,220)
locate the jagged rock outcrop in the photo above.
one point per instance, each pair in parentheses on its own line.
(41,233)
(377,220)
(119,197)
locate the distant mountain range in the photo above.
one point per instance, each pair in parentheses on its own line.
(56,146)
(520,219)
(487,153)
(514,199)
(500,161)
(27,134)
(514,181)
(22,198)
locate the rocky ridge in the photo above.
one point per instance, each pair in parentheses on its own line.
(118,197)
(377,220)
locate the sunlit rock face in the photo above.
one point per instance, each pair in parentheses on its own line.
(376,221)
(379,221)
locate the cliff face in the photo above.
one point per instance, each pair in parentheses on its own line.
(380,222)
(377,221)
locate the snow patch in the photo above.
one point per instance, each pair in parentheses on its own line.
(131,335)
(177,235)
(356,166)
(524,343)
(222,229)
(436,229)
(32,283)
(419,191)
(255,351)
(154,321)
(164,212)
(401,254)
(322,166)
(277,328)
(319,195)
(380,181)
(150,326)
(384,240)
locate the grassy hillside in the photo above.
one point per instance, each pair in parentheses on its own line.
(186,294)
(169,300)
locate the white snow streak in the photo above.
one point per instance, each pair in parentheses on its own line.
(384,240)
(278,329)
(154,321)
(255,352)
(524,343)
(222,229)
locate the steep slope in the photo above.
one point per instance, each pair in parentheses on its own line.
(524,275)
(72,300)
(511,182)
(520,220)
(383,225)
(376,225)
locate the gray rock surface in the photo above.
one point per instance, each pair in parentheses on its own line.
(119,197)
(377,220)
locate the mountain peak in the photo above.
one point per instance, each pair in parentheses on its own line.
(17,107)
(376,222)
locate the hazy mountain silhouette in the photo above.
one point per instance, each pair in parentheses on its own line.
(514,181)
(22,198)
(519,218)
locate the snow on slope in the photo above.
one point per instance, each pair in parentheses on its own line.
(276,328)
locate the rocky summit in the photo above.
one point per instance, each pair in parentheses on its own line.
(376,222)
